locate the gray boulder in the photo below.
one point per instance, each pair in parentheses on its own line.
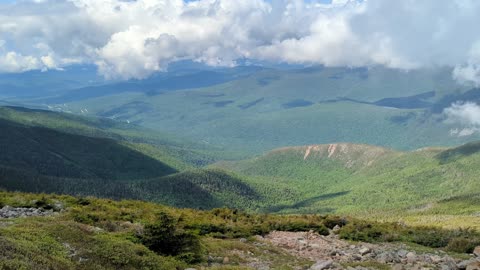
(320,265)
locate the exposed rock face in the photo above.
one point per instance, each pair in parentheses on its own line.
(12,212)
(330,252)
(476,251)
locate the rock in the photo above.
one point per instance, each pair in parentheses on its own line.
(384,258)
(12,212)
(364,251)
(436,259)
(336,228)
(397,267)
(259,238)
(243,240)
(226,260)
(302,242)
(320,265)
(475,265)
(411,257)
(448,266)
(190,269)
(450,262)
(357,257)
(476,251)
(463,264)
(402,253)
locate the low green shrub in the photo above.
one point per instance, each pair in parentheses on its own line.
(89,219)
(332,221)
(165,238)
(462,245)
(430,237)
(362,231)
(460,240)
(301,226)
(83,201)
(44,203)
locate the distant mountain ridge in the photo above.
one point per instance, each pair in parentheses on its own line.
(256,109)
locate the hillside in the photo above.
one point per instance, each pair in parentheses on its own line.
(361,179)
(44,151)
(178,151)
(39,231)
(51,153)
(61,153)
(272,108)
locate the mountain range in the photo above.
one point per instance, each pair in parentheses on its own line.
(250,110)
(46,151)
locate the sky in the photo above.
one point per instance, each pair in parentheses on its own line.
(128,39)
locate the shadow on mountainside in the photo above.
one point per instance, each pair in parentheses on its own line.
(453,154)
(306,203)
(48,152)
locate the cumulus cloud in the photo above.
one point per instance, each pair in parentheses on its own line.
(133,39)
(467,115)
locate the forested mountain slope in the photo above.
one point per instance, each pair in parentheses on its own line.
(352,178)
(117,162)
(272,108)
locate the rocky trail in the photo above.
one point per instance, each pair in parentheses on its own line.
(330,252)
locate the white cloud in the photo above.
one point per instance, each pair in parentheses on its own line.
(467,115)
(132,39)
(467,73)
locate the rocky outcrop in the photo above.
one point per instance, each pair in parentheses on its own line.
(330,252)
(12,212)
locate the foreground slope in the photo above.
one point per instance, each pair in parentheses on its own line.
(39,231)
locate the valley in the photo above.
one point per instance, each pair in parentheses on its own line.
(261,109)
(111,159)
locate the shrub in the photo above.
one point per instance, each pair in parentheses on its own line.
(462,245)
(301,226)
(332,221)
(164,238)
(207,228)
(430,237)
(88,219)
(44,203)
(83,201)
(362,231)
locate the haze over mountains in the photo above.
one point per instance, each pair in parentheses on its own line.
(252,109)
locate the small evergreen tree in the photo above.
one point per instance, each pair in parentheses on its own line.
(165,238)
